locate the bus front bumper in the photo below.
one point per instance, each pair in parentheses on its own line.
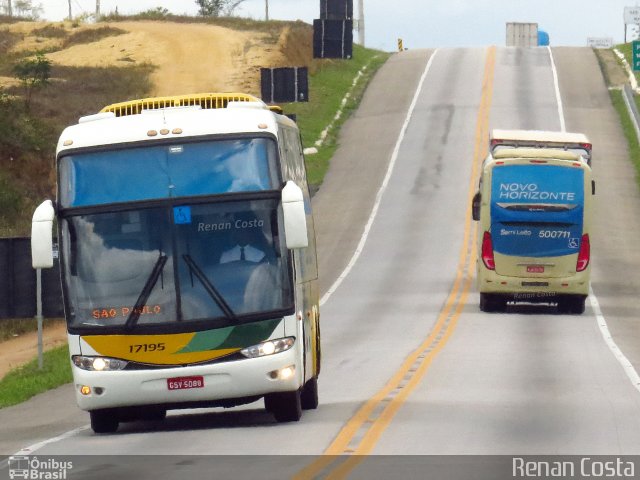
(187,387)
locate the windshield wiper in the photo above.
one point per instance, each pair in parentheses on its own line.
(134,316)
(211,290)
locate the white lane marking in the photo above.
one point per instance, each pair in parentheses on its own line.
(383,187)
(595,305)
(556,85)
(37,446)
(608,338)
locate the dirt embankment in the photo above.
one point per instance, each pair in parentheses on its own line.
(189,57)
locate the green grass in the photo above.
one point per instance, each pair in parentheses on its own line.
(25,382)
(618,103)
(627,128)
(327,88)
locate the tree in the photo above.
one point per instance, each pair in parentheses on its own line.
(33,73)
(214,8)
(210,8)
(26,8)
(232,5)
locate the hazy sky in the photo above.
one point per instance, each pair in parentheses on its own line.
(420,23)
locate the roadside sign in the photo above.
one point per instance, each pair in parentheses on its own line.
(600,42)
(632,15)
(636,56)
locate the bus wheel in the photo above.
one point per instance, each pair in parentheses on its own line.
(571,304)
(285,406)
(103,421)
(490,302)
(309,396)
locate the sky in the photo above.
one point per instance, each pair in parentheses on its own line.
(420,23)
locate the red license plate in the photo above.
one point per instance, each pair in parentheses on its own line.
(535,269)
(181,383)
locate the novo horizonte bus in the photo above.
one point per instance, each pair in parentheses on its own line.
(534,210)
(188,262)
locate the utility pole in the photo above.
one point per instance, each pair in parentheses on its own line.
(361,22)
(97,9)
(70,16)
(266,10)
(9,8)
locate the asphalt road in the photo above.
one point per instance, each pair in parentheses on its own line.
(411,366)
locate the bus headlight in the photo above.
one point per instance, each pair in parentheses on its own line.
(269,347)
(98,364)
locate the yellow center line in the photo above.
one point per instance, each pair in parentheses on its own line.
(361,433)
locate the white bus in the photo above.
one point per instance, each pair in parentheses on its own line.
(188,261)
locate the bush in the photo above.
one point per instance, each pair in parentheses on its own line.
(34,74)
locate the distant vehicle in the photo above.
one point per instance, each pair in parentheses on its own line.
(574,142)
(521,34)
(188,261)
(534,212)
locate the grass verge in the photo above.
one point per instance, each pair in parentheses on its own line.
(618,103)
(327,88)
(24,382)
(628,129)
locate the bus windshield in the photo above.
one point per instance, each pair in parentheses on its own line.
(167,171)
(216,263)
(537,210)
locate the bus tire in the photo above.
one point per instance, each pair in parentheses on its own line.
(490,302)
(574,304)
(285,406)
(103,421)
(309,396)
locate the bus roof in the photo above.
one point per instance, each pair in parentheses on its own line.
(534,137)
(536,153)
(173,117)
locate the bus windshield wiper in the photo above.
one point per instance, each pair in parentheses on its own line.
(208,286)
(134,316)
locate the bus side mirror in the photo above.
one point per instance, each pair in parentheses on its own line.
(475,206)
(42,235)
(295,218)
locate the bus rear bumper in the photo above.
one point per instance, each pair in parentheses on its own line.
(217,384)
(533,290)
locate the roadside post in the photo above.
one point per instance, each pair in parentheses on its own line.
(39,317)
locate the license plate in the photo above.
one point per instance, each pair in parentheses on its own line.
(181,383)
(535,269)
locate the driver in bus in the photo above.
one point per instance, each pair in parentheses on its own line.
(247,241)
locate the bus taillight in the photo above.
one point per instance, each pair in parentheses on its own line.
(584,254)
(487,252)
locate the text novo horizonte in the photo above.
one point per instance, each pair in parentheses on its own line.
(531,191)
(578,468)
